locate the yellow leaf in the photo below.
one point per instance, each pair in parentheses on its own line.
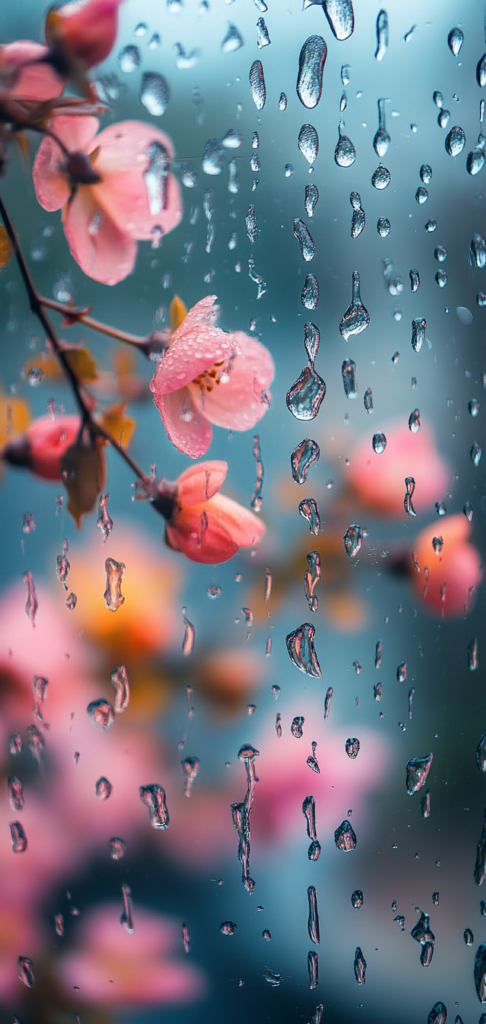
(82,363)
(47,362)
(14,417)
(177,312)
(83,474)
(120,426)
(6,247)
(124,361)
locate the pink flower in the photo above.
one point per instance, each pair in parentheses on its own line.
(35,81)
(86,29)
(114,189)
(380,479)
(41,448)
(208,376)
(452,571)
(204,525)
(115,968)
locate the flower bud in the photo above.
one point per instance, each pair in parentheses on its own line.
(84,30)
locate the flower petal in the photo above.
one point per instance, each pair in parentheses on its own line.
(121,163)
(50,181)
(87,30)
(200,483)
(238,403)
(186,428)
(196,346)
(244,526)
(36,81)
(200,533)
(100,248)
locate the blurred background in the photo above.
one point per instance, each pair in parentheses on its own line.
(190,872)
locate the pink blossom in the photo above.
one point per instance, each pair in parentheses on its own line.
(41,448)
(115,968)
(379,480)
(452,570)
(86,29)
(205,525)
(208,376)
(122,191)
(35,80)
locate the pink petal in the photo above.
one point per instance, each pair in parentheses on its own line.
(199,483)
(121,163)
(87,28)
(196,345)
(36,82)
(200,533)
(100,248)
(244,526)
(238,403)
(193,435)
(50,182)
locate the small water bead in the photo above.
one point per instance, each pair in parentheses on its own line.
(381,35)
(212,158)
(311,66)
(421,195)
(417,770)
(232,40)
(368,400)
(441,278)
(468,511)
(310,292)
(300,647)
(481,299)
(129,59)
(468,937)
(153,797)
(407,501)
(302,457)
(431,226)
(119,679)
(190,769)
(103,788)
(345,837)
(455,141)
(383,227)
(379,443)
(272,977)
(426,174)
(296,727)
(282,101)
(18,837)
(464,315)
(440,508)
(26,970)
(117,848)
(476,159)
(359,966)
(414,421)
(304,398)
(263,38)
(308,143)
(343,103)
(350,382)
(344,153)
(356,318)
(346,74)
(288,170)
(35,376)
(312,337)
(455,40)
(353,539)
(227,928)
(481,71)
(155,93)
(438,99)
(154,42)
(309,511)
(440,253)
(305,240)
(15,744)
(257,84)
(438,544)
(357,899)
(419,327)
(382,139)
(473,407)
(340,16)
(381,178)
(114,575)
(101,713)
(477,252)
(443,118)
(311,579)
(358,219)
(475,453)
(352,746)
(15,793)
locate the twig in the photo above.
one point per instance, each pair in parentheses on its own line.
(36,305)
(96,325)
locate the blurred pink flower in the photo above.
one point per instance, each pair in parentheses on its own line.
(41,448)
(37,80)
(123,192)
(115,968)
(206,526)
(208,376)
(379,480)
(86,29)
(452,571)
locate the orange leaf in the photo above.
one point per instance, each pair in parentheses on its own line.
(120,426)
(6,247)
(83,474)
(82,363)
(177,312)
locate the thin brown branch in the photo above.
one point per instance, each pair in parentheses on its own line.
(95,325)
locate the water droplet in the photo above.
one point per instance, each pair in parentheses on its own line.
(382,139)
(425,805)
(455,141)
(18,837)
(443,118)
(114,575)
(313,969)
(417,771)
(15,744)
(297,726)
(309,511)
(475,453)
(154,41)
(103,788)
(438,1014)
(345,837)
(153,797)
(31,605)
(348,370)
(473,407)
(381,178)
(117,848)
(305,396)
(383,227)
(468,937)
(300,646)
(15,793)
(352,746)
(282,101)
(421,196)
(464,315)
(313,918)
(357,899)
(359,966)
(340,16)
(440,508)
(419,327)
(356,318)
(36,745)
(311,66)
(190,768)
(26,971)
(344,153)
(310,292)
(468,511)
(481,71)
(104,521)
(441,278)
(478,252)
(155,93)
(232,140)
(263,38)
(232,40)
(414,421)
(189,635)
(119,678)
(257,84)
(185,61)
(129,59)
(476,159)
(381,35)
(212,158)
(311,579)
(308,143)
(302,458)
(480,972)
(272,977)
(455,40)
(312,339)
(426,174)
(379,443)
(306,242)
(101,713)
(358,219)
